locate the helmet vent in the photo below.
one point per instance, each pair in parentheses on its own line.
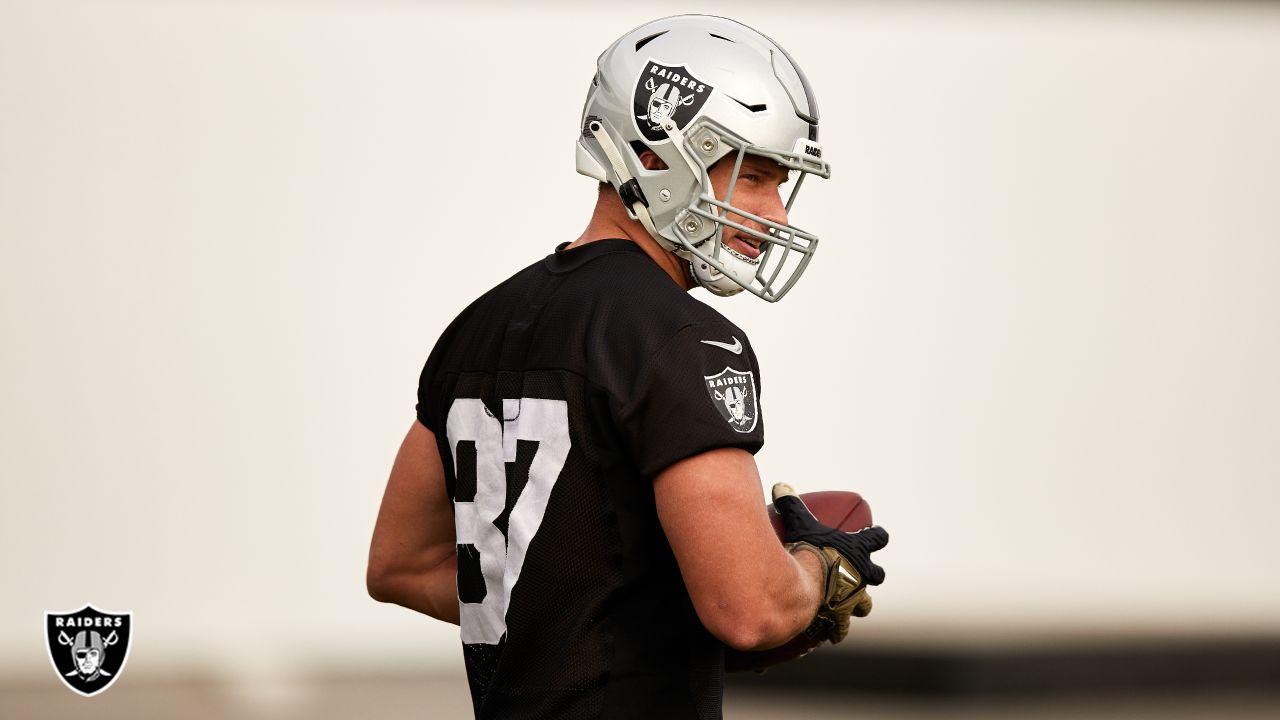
(753,108)
(721,37)
(645,41)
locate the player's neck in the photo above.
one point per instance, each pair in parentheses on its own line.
(611,221)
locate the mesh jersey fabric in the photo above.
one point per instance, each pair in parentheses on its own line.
(599,623)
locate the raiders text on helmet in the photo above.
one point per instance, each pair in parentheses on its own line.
(696,90)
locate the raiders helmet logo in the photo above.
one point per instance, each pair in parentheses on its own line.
(734,395)
(88,647)
(667,92)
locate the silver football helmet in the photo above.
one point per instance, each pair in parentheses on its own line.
(696,89)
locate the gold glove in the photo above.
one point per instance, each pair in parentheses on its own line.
(845,595)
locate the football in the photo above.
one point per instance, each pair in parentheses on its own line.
(842,510)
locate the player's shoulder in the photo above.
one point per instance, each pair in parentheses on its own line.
(625,289)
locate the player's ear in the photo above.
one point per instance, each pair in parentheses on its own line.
(650,160)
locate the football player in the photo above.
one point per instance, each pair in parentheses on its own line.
(578,491)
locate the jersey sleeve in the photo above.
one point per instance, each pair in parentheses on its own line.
(423,407)
(699,391)
(428,406)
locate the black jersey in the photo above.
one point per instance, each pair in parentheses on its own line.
(555,399)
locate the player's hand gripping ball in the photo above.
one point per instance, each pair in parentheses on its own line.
(831,524)
(846,557)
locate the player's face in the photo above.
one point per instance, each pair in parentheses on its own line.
(757,191)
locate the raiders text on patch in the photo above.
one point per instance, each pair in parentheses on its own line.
(733,393)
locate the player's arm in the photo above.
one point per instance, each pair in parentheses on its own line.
(747,589)
(412,559)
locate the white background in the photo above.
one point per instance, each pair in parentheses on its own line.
(1041,335)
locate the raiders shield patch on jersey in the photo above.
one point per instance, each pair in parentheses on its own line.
(667,92)
(88,647)
(734,395)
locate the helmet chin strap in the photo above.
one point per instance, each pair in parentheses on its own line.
(638,206)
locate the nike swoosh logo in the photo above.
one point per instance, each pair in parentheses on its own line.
(735,348)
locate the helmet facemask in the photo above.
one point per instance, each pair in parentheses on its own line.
(785,248)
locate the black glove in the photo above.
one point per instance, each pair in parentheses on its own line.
(799,525)
(846,560)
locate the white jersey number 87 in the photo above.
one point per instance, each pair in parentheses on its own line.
(545,422)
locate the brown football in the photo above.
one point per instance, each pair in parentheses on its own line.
(838,509)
